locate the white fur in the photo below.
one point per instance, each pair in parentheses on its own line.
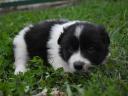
(78,31)
(20,51)
(78,57)
(53,53)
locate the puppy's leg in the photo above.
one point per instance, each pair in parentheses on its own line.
(20,52)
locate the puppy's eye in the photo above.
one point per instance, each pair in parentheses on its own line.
(91,49)
(70,50)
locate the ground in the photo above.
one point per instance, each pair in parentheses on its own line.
(110,79)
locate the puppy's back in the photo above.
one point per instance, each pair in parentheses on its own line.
(38,35)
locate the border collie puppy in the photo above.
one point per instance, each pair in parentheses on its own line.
(73,45)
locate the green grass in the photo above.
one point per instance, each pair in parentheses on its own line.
(110,79)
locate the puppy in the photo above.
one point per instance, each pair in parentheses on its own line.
(73,45)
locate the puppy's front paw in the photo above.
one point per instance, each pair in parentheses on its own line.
(20,69)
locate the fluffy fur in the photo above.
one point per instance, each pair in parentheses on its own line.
(73,45)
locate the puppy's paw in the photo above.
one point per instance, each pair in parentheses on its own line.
(20,69)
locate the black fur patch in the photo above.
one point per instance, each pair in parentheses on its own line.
(37,38)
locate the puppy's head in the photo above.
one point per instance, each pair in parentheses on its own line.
(83,45)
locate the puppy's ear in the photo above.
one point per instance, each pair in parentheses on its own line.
(62,35)
(104,35)
(60,38)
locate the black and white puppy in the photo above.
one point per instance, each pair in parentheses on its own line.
(73,45)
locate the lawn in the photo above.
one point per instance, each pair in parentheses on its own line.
(110,79)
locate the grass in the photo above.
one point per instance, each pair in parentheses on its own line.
(110,79)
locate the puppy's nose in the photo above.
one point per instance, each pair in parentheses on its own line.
(78,65)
